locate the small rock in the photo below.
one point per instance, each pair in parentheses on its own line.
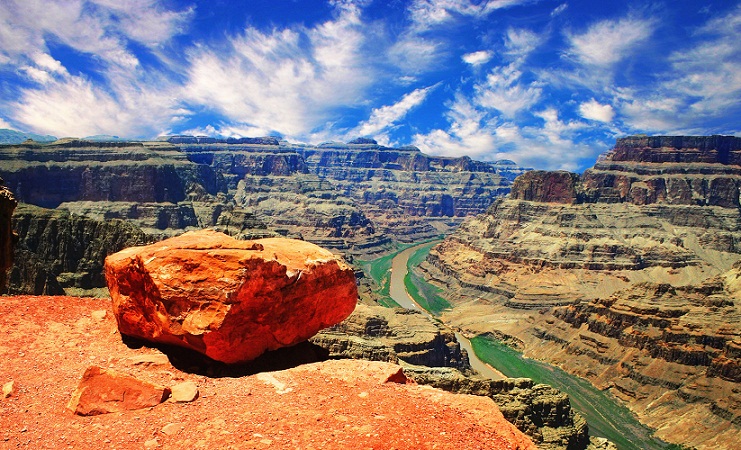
(157,359)
(99,315)
(8,389)
(172,428)
(184,392)
(152,443)
(104,391)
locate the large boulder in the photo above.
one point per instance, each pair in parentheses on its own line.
(229,299)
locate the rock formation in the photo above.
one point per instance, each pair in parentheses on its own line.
(7,237)
(60,252)
(350,198)
(624,275)
(406,194)
(376,333)
(230,300)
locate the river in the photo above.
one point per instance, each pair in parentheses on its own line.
(605,416)
(399,293)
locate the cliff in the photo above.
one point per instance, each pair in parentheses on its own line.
(402,192)
(624,275)
(60,252)
(8,204)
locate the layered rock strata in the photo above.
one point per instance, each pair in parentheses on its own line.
(8,204)
(624,275)
(403,192)
(228,299)
(60,253)
(151,184)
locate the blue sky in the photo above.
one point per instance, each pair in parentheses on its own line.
(548,84)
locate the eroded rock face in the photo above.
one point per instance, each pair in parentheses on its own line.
(7,237)
(549,187)
(632,285)
(383,334)
(230,300)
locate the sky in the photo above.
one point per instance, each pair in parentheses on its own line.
(547,84)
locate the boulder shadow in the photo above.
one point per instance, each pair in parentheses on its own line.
(190,361)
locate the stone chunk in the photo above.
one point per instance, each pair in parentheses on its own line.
(228,299)
(184,392)
(104,391)
(8,389)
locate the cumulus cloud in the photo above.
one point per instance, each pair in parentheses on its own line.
(551,144)
(98,27)
(477,58)
(607,42)
(72,105)
(119,98)
(594,110)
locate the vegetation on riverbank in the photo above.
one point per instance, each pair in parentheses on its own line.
(425,294)
(605,416)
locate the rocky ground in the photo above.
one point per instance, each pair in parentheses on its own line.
(49,342)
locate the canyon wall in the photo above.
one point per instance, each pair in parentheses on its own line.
(8,204)
(625,275)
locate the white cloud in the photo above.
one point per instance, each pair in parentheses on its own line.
(465,137)
(416,55)
(504,91)
(559,9)
(74,106)
(608,42)
(96,27)
(594,110)
(477,58)
(426,14)
(287,80)
(701,87)
(385,116)
(520,42)
(472,132)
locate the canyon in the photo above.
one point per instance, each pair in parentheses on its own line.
(626,275)
(355,199)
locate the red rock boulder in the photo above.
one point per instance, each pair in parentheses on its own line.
(104,391)
(228,299)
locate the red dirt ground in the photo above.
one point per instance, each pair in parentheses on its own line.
(46,343)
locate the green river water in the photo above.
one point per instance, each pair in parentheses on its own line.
(605,416)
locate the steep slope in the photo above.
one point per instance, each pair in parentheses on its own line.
(8,204)
(625,276)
